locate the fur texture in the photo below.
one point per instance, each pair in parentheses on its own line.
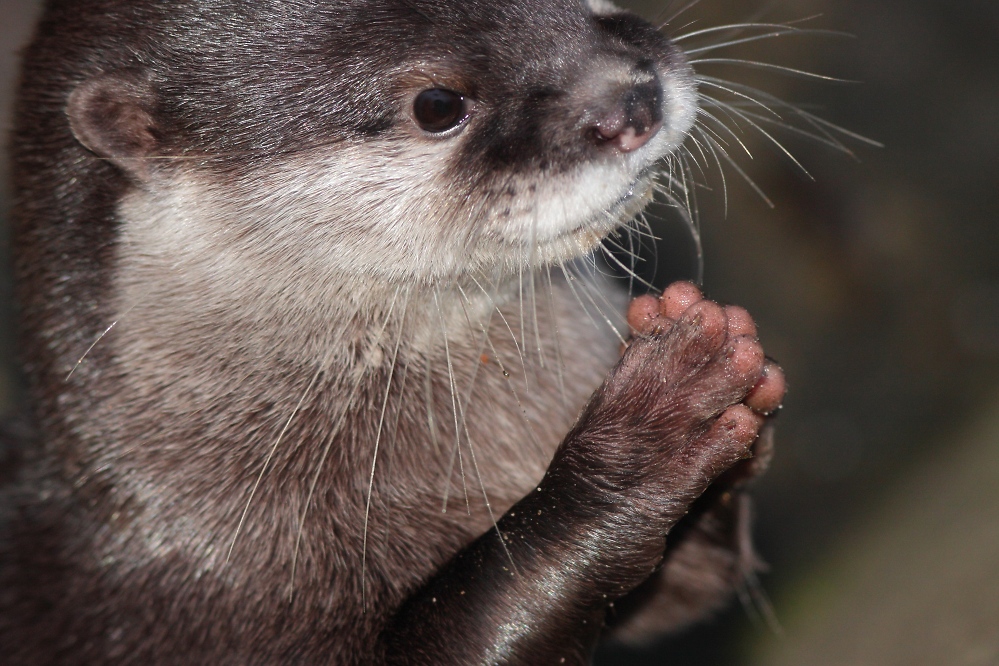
(317,325)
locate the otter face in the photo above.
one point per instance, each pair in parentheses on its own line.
(396,140)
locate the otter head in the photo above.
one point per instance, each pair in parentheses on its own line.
(404,139)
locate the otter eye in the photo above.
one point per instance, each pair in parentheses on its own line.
(438,110)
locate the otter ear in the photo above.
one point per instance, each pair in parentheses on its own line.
(111,115)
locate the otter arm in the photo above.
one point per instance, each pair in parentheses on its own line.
(665,424)
(539,596)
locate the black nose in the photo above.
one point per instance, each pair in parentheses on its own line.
(635,116)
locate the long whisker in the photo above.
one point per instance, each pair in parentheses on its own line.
(559,361)
(571,277)
(728,27)
(629,272)
(721,171)
(689,187)
(589,296)
(506,323)
(468,438)
(771,138)
(331,436)
(616,239)
(675,15)
(509,380)
(714,83)
(454,408)
(99,338)
(391,444)
(531,265)
(523,324)
(819,124)
(784,32)
(694,229)
(270,457)
(700,150)
(464,400)
(569,280)
(782,69)
(374,457)
(745,176)
(777,30)
(428,396)
(704,113)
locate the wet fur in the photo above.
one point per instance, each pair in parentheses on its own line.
(303,521)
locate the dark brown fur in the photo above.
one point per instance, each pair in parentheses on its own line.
(127,503)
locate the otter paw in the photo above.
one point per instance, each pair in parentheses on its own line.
(723,385)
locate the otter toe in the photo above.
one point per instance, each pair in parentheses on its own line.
(643,315)
(738,426)
(746,359)
(766,396)
(708,318)
(677,299)
(739,321)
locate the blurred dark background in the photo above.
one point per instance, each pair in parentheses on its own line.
(877,287)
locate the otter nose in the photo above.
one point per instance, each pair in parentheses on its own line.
(635,117)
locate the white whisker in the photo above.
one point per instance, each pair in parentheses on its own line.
(819,124)
(270,456)
(468,438)
(704,113)
(712,82)
(782,69)
(729,27)
(330,437)
(721,171)
(630,273)
(506,323)
(674,16)
(94,343)
(428,395)
(585,284)
(745,176)
(559,363)
(769,137)
(454,409)
(374,456)
(506,373)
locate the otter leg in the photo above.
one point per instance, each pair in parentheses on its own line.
(668,420)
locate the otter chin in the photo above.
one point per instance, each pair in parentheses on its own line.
(313,374)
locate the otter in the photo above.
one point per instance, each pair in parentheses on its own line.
(311,367)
